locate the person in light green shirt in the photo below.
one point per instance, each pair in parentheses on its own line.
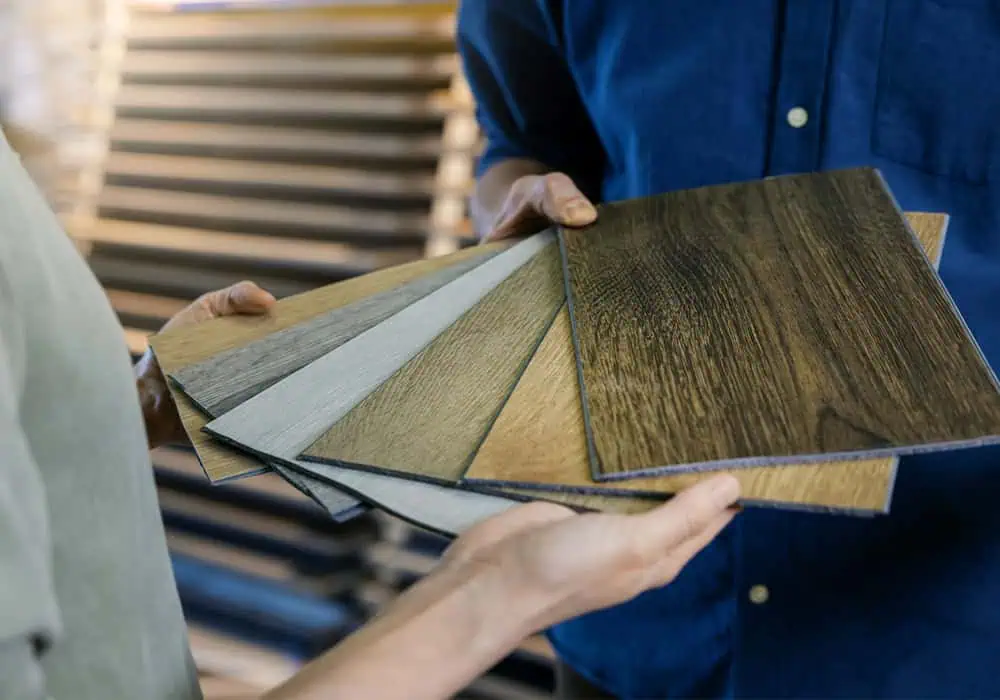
(88,607)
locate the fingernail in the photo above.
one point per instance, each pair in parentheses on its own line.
(579,211)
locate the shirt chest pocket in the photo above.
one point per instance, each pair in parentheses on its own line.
(938,102)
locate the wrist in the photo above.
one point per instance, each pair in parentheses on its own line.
(506,608)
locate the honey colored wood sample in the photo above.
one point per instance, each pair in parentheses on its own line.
(429,418)
(176,349)
(226,380)
(783,320)
(539,442)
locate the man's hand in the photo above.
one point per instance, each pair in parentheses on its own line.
(532,202)
(163,423)
(561,564)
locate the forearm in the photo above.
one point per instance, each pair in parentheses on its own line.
(433,641)
(494,186)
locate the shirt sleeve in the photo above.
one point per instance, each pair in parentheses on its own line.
(527,102)
(29,619)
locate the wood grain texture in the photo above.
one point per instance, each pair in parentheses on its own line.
(288,417)
(181,347)
(429,418)
(783,320)
(226,380)
(538,441)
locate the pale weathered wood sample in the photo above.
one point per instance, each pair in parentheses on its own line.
(181,347)
(226,380)
(539,442)
(286,418)
(783,320)
(429,418)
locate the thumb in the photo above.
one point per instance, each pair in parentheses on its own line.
(241,298)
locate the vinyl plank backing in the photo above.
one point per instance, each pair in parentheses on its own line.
(538,441)
(178,348)
(429,418)
(785,320)
(226,380)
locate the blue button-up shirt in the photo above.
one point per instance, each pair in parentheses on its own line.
(633,97)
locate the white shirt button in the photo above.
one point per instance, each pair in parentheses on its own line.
(797,117)
(759,594)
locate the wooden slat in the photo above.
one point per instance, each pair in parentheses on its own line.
(227,657)
(185,463)
(314,255)
(156,30)
(255,564)
(272,176)
(289,218)
(144,305)
(247,65)
(136,340)
(180,280)
(262,104)
(308,143)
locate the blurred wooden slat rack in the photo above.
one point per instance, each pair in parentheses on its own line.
(295,145)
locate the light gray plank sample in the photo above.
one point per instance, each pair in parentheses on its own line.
(282,421)
(285,419)
(226,380)
(332,499)
(444,509)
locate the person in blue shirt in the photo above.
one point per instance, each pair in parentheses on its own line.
(599,100)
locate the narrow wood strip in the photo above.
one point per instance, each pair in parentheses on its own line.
(241,64)
(288,417)
(429,418)
(188,30)
(276,176)
(273,139)
(237,246)
(778,321)
(184,346)
(226,380)
(539,442)
(244,212)
(262,102)
(134,303)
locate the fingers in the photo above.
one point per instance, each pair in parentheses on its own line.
(241,298)
(673,561)
(535,201)
(690,515)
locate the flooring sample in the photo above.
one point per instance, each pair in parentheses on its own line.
(181,347)
(448,510)
(429,418)
(285,419)
(784,320)
(226,380)
(539,442)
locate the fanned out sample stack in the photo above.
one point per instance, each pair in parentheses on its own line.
(790,331)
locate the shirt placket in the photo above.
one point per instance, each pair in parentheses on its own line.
(805,45)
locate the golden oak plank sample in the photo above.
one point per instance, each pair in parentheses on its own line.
(539,442)
(783,320)
(179,348)
(429,418)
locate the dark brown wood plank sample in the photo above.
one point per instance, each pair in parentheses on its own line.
(226,380)
(538,440)
(429,418)
(783,320)
(178,348)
